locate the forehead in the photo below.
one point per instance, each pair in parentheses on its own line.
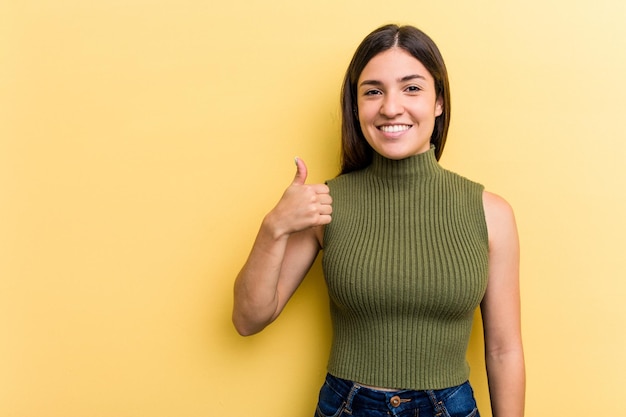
(393,64)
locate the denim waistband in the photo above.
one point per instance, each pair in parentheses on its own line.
(358,396)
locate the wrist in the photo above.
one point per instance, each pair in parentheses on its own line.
(271,227)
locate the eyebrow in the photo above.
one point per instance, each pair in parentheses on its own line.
(401,80)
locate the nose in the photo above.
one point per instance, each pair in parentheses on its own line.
(391,106)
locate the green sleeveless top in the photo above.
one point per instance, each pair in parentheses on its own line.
(406,262)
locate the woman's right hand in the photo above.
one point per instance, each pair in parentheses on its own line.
(301,207)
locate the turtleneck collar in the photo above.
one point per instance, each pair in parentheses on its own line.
(419,165)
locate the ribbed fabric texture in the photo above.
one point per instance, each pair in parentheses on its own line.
(406,260)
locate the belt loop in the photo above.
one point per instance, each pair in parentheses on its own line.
(355,389)
(440,409)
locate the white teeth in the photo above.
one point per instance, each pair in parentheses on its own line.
(394,128)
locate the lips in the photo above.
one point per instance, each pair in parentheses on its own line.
(394,128)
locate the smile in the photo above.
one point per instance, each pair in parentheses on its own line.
(394,128)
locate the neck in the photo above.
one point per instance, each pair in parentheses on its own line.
(422,164)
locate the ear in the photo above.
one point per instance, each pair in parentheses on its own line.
(439,106)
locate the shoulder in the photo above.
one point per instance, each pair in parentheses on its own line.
(499,217)
(347,177)
(496,207)
(454,176)
(345,180)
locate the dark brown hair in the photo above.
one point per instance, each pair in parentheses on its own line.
(356,153)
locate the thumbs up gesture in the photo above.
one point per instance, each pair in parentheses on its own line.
(302,206)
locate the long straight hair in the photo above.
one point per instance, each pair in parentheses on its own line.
(356,153)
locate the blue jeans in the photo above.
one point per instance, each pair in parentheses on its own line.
(339,397)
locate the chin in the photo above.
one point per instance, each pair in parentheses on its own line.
(395,157)
(395,154)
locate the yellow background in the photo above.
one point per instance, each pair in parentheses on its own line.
(141,143)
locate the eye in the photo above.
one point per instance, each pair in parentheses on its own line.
(372,92)
(413,89)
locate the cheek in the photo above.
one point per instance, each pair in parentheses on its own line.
(365,129)
(365,114)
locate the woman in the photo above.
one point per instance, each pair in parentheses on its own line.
(411,251)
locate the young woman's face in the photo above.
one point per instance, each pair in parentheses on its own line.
(397,104)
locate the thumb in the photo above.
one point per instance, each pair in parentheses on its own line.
(301,172)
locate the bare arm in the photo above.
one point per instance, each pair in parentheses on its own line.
(284,250)
(501,312)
